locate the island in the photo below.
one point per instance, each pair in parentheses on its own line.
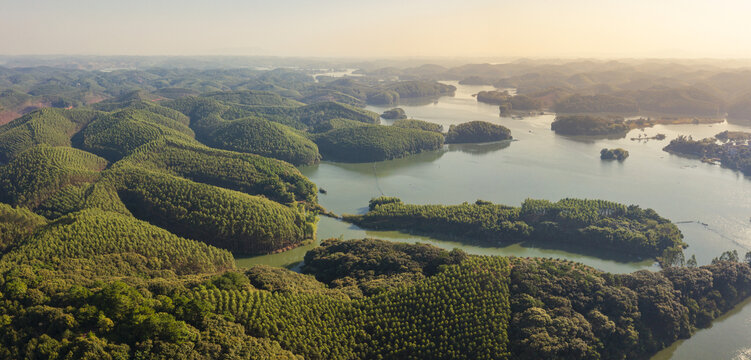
(477,132)
(394,114)
(613,154)
(587,225)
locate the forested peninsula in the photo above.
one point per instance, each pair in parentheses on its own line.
(730,149)
(587,225)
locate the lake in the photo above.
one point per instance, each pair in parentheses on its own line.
(711,205)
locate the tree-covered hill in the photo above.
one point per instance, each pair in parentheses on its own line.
(477,132)
(316,114)
(252,98)
(53,127)
(38,173)
(373,91)
(576,104)
(248,173)
(418,124)
(116,135)
(16,224)
(375,143)
(207,112)
(588,125)
(265,129)
(53,167)
(96,244)
(224,218)
(265,138)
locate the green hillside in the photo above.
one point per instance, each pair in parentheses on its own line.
(96,243)
(252,97)
(53,127)
(418,124)
(228,219)
(263,123)
(251,174)
(114,136)
(477,132)
(265,138)
(16,224)
(38,173)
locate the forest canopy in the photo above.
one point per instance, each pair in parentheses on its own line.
(477,132)
(587,225)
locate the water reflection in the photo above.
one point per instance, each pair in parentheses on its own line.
(381,168)
(719,341)
(591,139)
(479,149)
(418,101)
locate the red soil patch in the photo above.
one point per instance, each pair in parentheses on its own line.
(8,116)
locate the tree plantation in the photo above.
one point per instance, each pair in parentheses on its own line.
(151,167)
(418,124)
(454,307)
(164,211)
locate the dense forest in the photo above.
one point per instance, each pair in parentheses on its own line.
(683,101)
(364,299)
(585,225)
(731,149)
(477,132)
(589,125)
(376,143)
(418,124)
(142,160)
(596,104)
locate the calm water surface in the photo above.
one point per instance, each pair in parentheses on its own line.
(711,205)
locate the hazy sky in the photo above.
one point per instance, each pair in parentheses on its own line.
(384,28)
